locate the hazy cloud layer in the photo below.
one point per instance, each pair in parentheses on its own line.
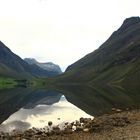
(61,31)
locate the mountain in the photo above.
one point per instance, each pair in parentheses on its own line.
(10,64)
(13,66)
(116,61)
(50,67)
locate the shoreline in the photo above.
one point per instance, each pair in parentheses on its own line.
(122,125)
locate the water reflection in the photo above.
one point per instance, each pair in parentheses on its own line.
(14,125)
(11,100)
(99,100)
(26,107)
(59,113)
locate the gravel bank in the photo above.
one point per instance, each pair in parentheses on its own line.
(117,126)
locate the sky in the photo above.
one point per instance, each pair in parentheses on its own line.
(61,31)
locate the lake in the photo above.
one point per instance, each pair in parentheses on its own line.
(24,108)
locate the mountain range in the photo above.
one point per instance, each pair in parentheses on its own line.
(48,66)
(116,61)
(11,65)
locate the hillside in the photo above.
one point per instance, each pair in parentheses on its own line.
(116,61)
(52,68)
(13,66)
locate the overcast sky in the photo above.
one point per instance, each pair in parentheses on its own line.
(61,31)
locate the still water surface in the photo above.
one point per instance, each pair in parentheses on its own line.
(23,108)
(39,116)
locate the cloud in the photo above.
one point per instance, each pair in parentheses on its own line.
(14,125)
(61,31)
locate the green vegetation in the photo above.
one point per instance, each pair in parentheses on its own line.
(7,83)
(36,83)
(11,65)
(117,61)
(11,83)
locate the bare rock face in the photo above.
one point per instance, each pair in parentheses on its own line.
(54,69)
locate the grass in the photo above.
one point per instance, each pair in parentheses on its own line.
(117,61)
(11,83)
(7,83)
(36,83)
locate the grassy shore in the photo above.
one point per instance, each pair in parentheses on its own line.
(7,83)
(12,83)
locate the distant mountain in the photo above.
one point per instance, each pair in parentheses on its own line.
(49,66)
(116,61)
(13,66)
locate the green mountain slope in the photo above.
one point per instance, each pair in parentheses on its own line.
(13,66)
(116,61)
(10,64)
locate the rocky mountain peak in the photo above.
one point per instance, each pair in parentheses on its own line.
(49,66)
(30,61)
(129,22)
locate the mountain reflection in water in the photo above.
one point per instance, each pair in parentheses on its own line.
(59,112)
(99,100)
(25,107)
(11,100)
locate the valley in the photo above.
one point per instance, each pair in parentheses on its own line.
(104,84)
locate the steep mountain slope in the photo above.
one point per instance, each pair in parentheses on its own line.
(10,64)
(115,61)
(13,66)
(50,67)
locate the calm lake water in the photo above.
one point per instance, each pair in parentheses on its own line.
(23,108)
